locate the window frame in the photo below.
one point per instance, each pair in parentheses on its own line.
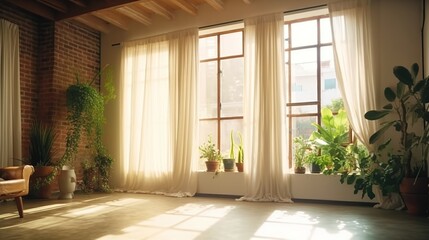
(218,60)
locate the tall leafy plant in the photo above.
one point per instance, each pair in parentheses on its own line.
(41,147)
(406,107)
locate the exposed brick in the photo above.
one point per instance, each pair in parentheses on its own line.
(51,54)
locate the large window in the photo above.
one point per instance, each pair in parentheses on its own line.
(310,73)
(220,81)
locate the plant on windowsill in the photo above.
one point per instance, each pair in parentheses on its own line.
(211,153)
(240,154)
(85,105)
(302,149)
(407,105)
(228,162)
(41,152)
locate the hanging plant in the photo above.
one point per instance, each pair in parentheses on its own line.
(85,106)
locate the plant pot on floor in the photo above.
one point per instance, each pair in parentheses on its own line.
(67,183)
(41,182)
(228,164)
(212,166)
(414,192)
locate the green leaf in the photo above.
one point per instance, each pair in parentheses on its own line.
(400,90)
(418,87)
(351,179)
(376,114)
(388,106)
(414,70)
(374,137)
(389,94)
(425,93)
(403,75)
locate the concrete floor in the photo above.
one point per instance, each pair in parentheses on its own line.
(139,216)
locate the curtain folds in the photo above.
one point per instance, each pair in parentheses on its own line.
(158,118)
(264,112)
(10,98)
(354,62)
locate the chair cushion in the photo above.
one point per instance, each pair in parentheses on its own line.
(12,186)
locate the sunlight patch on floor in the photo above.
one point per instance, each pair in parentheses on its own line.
(299,225)
(184,222)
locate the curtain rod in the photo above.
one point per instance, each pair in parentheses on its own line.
(285,12)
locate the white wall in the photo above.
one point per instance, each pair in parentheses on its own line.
(396,30)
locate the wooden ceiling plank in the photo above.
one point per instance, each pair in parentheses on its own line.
(157,8)
(55,4)
(216,4)
(135,13)
(96,5)
(186,6)
(80,3)
(112,18)
(93,22)
(247,1)
(35,8)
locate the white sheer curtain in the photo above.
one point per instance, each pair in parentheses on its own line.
(158,119)
(10,103)
(264,110)
(354,62)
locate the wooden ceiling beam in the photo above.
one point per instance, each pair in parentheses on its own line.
(135,12)
(57,5)
(157,8)
(216,4)
(96,5)
(186,6)
(93,22)
(35,8)
(80,3)
(112,18)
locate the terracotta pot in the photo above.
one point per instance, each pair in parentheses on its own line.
(300,170)
(37,187)
(415,195)
(239,166)
(212,166)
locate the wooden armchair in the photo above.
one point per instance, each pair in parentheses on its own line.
(15,184)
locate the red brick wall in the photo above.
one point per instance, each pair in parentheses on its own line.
(51,54)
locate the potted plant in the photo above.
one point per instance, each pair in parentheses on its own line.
(41,153)
(407,163)
(85,106)
(211,153)
(228,162)
(302,149)
(240,154)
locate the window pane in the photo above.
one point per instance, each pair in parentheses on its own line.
(328,78)
(232,74)
(225,136)
(231,44)
(208,47)
(304,33)
(325,30)
(304,109)
(208,90)
(304,75)
(301,126)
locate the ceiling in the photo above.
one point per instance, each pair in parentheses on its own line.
(101,14)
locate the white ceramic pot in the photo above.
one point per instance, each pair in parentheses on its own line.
(67,183)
